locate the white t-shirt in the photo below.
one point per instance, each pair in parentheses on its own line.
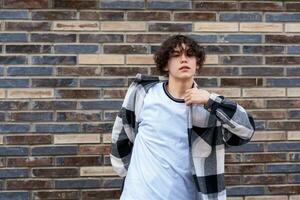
(160,164)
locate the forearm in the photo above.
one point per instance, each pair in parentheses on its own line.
(233,117)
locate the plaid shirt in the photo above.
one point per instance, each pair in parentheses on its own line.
(212,127)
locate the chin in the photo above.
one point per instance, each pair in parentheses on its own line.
(185,76)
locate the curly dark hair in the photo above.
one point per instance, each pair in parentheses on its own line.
(162,55)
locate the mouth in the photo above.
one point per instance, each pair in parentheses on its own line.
(184,67)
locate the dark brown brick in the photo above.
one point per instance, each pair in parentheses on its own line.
(26,4)
(52,195)
(130,71)
(288,39)
(53,15)
(79,161)
(268,114)
(27,26)
(97,128)
(146,38)
(108,94)
(28,49)
(265,157)
(283,189)
(78,71)
(55,172)
(78,94)
(283,103)
(244,169)
(89,15)
(233,180)
(284,125)
(125,49)
(283,60)
(195,16)
(233,158)
(257,6)
(28,139)
(75,4)
(79,116)
(245,82)
(215,6)
(28,184)
(154,71)
(147,16)
(249,104)
(29,162)
(292,6)
(264,179)
(101,194)
(103,16)
(2,117)
(94,149)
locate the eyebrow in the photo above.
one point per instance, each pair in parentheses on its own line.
(177,51)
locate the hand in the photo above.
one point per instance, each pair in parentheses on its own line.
(194,95)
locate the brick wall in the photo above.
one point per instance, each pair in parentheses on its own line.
(65,66)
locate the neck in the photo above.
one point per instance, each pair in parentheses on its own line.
(177,88)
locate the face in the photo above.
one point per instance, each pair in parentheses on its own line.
(182,64)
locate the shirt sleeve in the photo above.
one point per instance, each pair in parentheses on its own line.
(122,134)
(238,125)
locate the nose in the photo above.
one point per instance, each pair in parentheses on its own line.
(183,57)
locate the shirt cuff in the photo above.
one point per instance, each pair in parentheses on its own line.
(213,102)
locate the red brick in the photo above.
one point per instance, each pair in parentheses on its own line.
(51,195)
(265,157)
(101,194)
(274,6)
(28,184)
(55,172)
(29,162)
(28,139)
(94,149)
(79,161)
(147,16)
(244,169)
(26,4)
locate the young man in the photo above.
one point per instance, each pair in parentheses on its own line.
(169,138)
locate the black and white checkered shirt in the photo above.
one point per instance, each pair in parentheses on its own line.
(212,128)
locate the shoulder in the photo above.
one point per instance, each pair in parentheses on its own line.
(145,81)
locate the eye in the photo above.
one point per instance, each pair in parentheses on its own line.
(190,53)
(174,54)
